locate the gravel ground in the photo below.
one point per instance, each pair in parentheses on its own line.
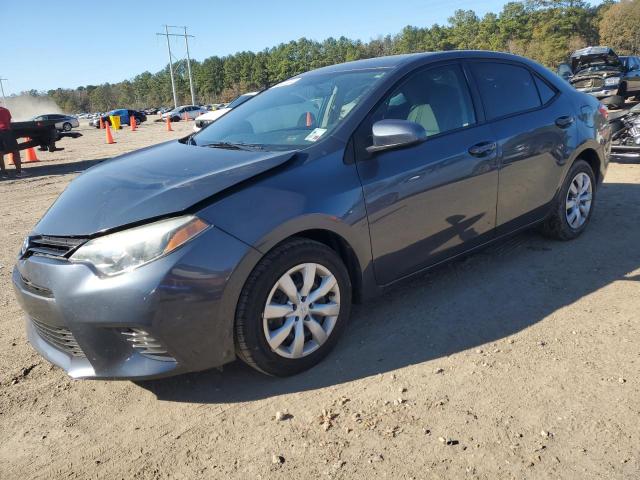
(519,362)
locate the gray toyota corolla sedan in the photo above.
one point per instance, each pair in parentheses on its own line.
(253,237)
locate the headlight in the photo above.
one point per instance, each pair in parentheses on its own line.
(611,81)
(124,251)
(24,247)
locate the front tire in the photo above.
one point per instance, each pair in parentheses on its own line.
(573,207)
(293,308)
(66,127)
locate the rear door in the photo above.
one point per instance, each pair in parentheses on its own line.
(534,126)
(58,119)
(435,199)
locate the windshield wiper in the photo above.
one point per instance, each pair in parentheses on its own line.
(235,146)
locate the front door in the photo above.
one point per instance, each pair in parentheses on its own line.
(437,198)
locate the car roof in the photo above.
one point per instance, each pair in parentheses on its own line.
(398,61)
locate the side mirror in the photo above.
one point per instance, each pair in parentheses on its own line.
(392,134)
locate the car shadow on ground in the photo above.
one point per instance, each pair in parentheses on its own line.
(472,301)
(49,169)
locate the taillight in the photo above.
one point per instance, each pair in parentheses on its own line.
(603,111)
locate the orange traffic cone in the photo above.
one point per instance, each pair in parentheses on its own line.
(186,117)
(132,122)
(169,129)
(109,136)
(31,154)
(101,124)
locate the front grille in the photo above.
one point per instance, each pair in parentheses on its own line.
(589,83)
(59,337)
(57,247)
(146,345)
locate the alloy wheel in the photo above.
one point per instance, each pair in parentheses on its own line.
(301,310)
(578,201)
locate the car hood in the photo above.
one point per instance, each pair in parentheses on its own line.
(157,181)
(590,56)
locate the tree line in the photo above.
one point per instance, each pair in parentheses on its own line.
(544,30)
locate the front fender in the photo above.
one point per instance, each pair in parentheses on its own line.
(323,193)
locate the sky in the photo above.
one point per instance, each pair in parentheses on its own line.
(46,45)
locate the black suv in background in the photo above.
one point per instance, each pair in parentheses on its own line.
(598,71)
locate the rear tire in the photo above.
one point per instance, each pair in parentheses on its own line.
(281,331)
(572,209)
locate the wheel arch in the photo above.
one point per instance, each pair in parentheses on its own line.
(344,250)
(591,152)
(590,156)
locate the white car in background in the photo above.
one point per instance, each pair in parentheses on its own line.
(210,117)
(177,114)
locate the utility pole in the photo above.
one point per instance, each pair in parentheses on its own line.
(4,99)
(186,42)
(173,83)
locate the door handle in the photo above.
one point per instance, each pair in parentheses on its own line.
(565,121)
(483,149)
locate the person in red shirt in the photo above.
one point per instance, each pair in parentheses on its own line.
(8,144)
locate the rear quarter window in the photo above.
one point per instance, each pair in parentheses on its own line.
(546,92)
(506,89)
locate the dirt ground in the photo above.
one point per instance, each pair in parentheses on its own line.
(519,362)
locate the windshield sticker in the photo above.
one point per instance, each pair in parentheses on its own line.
(315,135)
(286,83)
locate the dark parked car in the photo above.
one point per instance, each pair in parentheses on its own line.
(252,237)
(601,73)
(125,117)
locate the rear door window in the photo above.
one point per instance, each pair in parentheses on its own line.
(505,88)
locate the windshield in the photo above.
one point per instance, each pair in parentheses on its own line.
(293,114)
(239,101)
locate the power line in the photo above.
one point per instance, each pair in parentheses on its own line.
(186,41)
